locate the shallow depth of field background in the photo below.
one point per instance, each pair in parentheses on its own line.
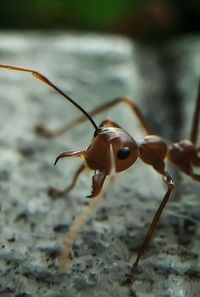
(158,66)
(143,19)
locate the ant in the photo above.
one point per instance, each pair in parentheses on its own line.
(153,150)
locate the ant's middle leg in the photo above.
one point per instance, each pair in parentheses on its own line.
(153,152)
(42,130)
(170,185)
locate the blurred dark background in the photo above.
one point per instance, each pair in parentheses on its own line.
(142,19)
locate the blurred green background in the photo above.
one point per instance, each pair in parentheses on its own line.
(136,18)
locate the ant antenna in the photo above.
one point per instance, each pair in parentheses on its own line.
(41,77)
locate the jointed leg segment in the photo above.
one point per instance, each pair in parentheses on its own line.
(195,123)
(170,184)
(42,130)
(152,151)
(57,193)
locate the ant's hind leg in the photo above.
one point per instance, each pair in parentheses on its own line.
(57,193)
(195,123)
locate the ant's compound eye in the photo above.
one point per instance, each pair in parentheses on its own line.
(123,153)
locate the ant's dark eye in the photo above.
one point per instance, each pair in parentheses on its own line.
(123,153)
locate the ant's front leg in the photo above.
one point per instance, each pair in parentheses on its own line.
(98,179)
(58,193)
(43,131)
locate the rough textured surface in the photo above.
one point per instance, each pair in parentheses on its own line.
(93,69)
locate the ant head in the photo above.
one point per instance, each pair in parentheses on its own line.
(125,150)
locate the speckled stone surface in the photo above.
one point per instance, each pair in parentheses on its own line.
(94,69)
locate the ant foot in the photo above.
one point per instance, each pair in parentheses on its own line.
(55,193)
(41,130)
(129,279)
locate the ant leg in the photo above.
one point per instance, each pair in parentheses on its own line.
(44,131)
(170,184)
(195,123)
(185,155)
(195,176)
(109,123)
(57,193)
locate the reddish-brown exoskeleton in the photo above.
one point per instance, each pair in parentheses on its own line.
(153,150)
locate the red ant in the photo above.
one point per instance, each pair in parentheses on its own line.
(153,150)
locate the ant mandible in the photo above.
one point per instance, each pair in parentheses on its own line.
(153,150)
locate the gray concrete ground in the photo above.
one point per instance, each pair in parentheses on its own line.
(94,69)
